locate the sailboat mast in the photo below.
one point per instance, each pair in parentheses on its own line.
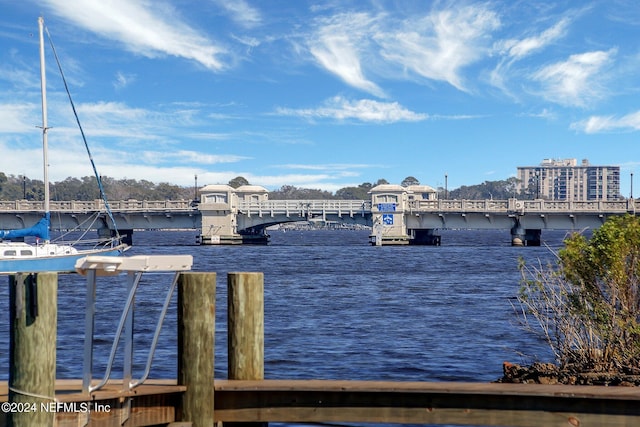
(45,147)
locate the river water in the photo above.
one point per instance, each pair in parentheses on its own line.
(335,307)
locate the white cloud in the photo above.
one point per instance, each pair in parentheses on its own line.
(513,50)
(576,81)
(338,46)
(597,124)
(436,46)
(123,80)
(439,46)
(518,49)
(241,12)
(327,167)
(146,28)
(16,117)
(19,78)
(365,110)
(322,181)
(112,119)
(544,114)
(189,157)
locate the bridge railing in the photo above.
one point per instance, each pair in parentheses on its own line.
(303,207)
(514,205)
(334,206)
(459,205)
(98,205)
(579,206)
(150,205)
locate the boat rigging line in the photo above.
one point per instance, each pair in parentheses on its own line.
(84,139)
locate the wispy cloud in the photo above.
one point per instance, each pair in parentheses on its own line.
(440,45)
(19,78)
(600,124)
(326,167)
(338,45)
(520,48)
(17,117)
(544,114)
(365,110)
(149,29)
(436,46)
(325,181)
(113,119)
(188,157)
(513,50)
(123,80)
(576,81)
(241,12)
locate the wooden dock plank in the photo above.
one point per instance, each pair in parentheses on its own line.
(306,401)
(152,403)
(525,405)
(70,390)
(627,393)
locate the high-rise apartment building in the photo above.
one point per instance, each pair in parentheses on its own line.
(566,180)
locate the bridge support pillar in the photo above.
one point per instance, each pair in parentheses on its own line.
(521,236)
(126,235)
(532,236)
(106,234)
(426,237)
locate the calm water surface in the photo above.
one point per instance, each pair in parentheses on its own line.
(335,307)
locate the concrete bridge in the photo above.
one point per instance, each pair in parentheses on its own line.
(397,215)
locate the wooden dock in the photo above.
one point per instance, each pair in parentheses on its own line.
(153,403)
(323,401)
(487,404)
(195,399)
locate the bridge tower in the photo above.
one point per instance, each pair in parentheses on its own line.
(388,204)
(391,206)
(220,215)
(248,232)
(217,207)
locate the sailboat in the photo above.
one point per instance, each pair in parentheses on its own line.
(16,256)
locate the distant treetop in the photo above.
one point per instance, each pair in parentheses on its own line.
(238,181)
(409,181)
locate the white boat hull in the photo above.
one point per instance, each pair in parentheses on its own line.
(42,262)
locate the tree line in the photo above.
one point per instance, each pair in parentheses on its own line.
(20,187)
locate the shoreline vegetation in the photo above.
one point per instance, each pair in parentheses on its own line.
(20,187)
(586,307)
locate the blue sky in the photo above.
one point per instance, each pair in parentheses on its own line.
(322,94)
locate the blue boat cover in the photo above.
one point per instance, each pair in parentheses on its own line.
(41,230)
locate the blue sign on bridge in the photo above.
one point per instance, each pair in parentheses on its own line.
(387,219)
(387,207)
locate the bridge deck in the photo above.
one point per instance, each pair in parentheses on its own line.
(247,217)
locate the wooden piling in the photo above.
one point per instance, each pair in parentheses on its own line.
(32,362)
(196,330)
(245,297)
(245,330)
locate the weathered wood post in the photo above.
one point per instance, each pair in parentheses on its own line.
(196,330)
(33,308)
(245,330)
(245,300)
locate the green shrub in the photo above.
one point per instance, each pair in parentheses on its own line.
(588,304)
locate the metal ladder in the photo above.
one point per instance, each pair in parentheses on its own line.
(134,267)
